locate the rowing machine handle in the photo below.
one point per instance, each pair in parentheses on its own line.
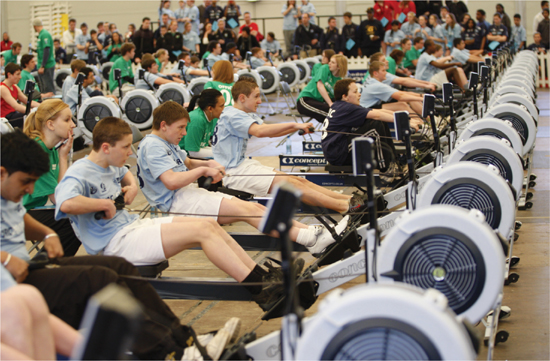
(119,205)
(99,215)
(207,182)
(302,132)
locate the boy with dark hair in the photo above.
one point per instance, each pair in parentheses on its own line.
(236,125)
(60,53)
(28,64)
(166,176)
(497,34)
(10,94)
(124,63)
(463,55)
(152,75)
(429,68)
(10,56)
(349,32)
(537,46)
(91,184)
(519,34)
(71,98)
(544,27)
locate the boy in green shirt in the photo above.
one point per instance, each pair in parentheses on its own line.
(46,57)
(10,56)
(128,51)
(411,56)
(27,65)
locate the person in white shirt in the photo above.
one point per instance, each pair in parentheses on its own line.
(539,17)
(69,37)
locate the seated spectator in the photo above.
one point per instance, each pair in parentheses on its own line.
(28,64)
(191,42)
(412,55)
(111,29)
(377,95)
(430,68)
(269,43)
(327,55)
(474,37)
(222,34)
(215,51)
(112,52)
(538,46)
(411,27)
(497,34)
(254,30)
(246,41)
(10,56)
(60,53)
(80,41)
(204,36)
(463,55)
(10,92)
(6,43)
(393,37)
(258,58)
(71,99)
(128,52)
(331,38)
(518,33)
(152,77)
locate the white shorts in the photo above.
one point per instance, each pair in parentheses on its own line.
(439,79)
(194,200)
(258,186)
(140,242)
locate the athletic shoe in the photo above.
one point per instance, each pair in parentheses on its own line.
(276,273)
(324,238)
(271,293)
(356,201)
(223,337)
(394,172)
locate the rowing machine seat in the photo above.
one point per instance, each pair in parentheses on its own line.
(153,270)
(239,194)
(339,168)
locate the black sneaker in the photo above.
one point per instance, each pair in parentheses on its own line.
(270,295)
(356,202)
(275,274)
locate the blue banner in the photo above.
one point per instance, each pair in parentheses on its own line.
(357,75)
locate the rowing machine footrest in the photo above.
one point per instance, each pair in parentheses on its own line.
(236,193)
(441,109)
(336,251)
(152,270)
(339,168)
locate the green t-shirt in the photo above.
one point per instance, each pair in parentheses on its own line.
(391,65)
(199,132)
(25,75)
(205,55)
(327,78)
(45,41)
(315,69)
(45,185)
(223,88)
(411,55)
(110,49)
(126,70)
(159,64)
(9,57)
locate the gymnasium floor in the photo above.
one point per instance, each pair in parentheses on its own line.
(529,298)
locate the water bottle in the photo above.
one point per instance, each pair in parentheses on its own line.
(288,145)
(30,48)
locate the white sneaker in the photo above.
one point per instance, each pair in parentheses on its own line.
(324,238)
(223,337)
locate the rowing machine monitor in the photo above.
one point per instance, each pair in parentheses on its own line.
(181,68)
(473,81)
(484,73)
(428,105)
(29,88)
(205,64)
(141,73)
(448,93)
(479,65)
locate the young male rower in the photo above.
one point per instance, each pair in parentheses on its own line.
(166,177)
(236,125)
(91,184)
(430,68)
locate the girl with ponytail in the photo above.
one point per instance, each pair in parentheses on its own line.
(51,125)
(202,122)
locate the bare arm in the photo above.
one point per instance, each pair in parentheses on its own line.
(323,92)
(444,66)
(6,96)
(37,231)
(82,205)
(176,180)
(277,130)
(381,115)
(406,96)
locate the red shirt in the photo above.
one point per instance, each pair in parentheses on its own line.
(253,26)
(5,108)
(406,9)
(384,11)
(5,46)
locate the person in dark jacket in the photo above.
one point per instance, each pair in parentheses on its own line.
(458,8)
(370,34)
(428,7)
(332,40)
(143,39)
(163,41)
(246,42)
(349,32)
(308,35)
(505,18)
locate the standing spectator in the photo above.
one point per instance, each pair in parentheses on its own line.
(69,37)
(290,23)
(538,18)
(443,13)
(458,8)
(162,41)
(10,56)
(404,7)
(519,35)
(164,8)
(411,27)
(109,34)
(474,36)
(438,35)
(93,48)
(112,52)
(370,34)
(222,34)
(384,10)
(46,57)
(6,42)
(537,46)
(176,40)
(60,53)
(482,21)
(214,12)
(129,37)
(10,93)
(504,17)
(424,31)
(188,13)
(28,64)
(254,29)
(308,34)
(181,19)
(428,7)
(464,21)
(498,33)
(452,31)
(246,41)
(143,39)
(231,13)
(191,41)
(203,14)
(269,43)
(80,41)
(349,36)
(156,33)
(331,40)
(544,29)
(308,8)
(393,37)
(101,34)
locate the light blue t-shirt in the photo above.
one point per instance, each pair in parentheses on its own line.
(388,81)
(452,33)
(309,8)
(12,239)
(375,92)
(390,37)
(71,98)
(461,56)
(85,178)
(82,39)
(186,71)
(289,21)
(150,77)
(165,11)
(6,279)
(190,40)
(518,35)
(212,59)
(425,70)
(421,33)
(273,47)
(193,14)
(230,139)
(409,29)
(439,32)
(156,156)
(256,62)
(67,84)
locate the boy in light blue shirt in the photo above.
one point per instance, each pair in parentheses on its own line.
(152,76)
(308,8)
(269,43)
(519,35)
(166,176)
(463,55)
(436,70)
(71,98)
(258,59)
(80,41)
(215,50)
(411,27)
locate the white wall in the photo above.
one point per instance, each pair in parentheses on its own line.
(15,13)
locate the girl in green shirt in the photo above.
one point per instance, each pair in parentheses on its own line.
(202,123)
(316,98)
(113,51)
(327,55)
(51,125)
(222,80)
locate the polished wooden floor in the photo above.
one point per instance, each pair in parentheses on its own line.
(528,298)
